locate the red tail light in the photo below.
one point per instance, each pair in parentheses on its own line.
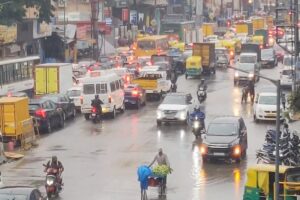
(134,93)
(109,99)
(93,110)
(41,113)
(81,99)
(127,79)
(260,46)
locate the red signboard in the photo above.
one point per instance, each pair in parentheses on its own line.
(125,14)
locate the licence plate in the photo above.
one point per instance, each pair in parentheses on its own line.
(170,116)
(126,100)
(218,154)
(93,114)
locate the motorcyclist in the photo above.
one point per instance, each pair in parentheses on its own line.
(97,104)
(55,164)
(251,90)
(245,92)
(201,115)
(202,86)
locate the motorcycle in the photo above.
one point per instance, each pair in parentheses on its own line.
(53,183)
(173,87)
(198,124)
(95,116)
(201,94)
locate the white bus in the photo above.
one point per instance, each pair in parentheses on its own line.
(16,75)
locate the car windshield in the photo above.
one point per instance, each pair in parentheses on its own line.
(173,99)
(293,177)
(267,100)
(34,106)
(246,66)
(222,129)
(287,72)
(13,196)
(267,53)
(73,93)
(248,59)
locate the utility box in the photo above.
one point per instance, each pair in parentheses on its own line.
(52,78)
(15,121)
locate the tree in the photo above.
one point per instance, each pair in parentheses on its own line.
(12,11)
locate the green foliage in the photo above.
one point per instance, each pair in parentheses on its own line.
(294,101)
(161,170)
(12,11)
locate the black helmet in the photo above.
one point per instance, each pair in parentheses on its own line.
(54,159)
(96,96)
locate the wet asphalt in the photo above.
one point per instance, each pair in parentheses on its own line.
(101,160)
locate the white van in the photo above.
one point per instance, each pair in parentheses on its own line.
(286,77)
(109,87)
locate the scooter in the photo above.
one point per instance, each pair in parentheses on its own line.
(95,116)
(53,185)
(201,94)
(198,124)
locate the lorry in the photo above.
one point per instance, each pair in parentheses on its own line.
(265,36)
(208,29)
(52,78)
(251,48)
(15,122)
(207,53)
(153,81)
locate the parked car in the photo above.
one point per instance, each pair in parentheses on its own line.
(74,93)
(286,77)
(134,95)
(46,113)
(225,138)
(20,193)
(65,103)
(264,107)
(268,58)
(174,108)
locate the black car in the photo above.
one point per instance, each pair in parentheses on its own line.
(20,192)
(46,113)
(268,58)
(134,95)
(65,103)
(225,138)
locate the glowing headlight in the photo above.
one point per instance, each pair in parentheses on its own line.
(182,115)
(159,114)
(236,74)
(250,75)
(196,124)
(105,110)
(50,181)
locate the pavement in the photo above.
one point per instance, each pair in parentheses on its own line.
(101,160)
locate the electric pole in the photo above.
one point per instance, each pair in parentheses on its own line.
(95,28)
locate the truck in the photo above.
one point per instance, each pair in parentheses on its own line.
(153,81)
(265,35)
(207,53)
(251,48)
(15,122)
(208,29)
(52,78)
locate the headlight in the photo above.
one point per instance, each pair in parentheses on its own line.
(50,181)
(203,149)
(236,74)
(159,114)
(196,124)
(182,115)
(250,75)
(237,150)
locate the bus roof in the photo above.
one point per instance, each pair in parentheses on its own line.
(268,168)
(16,60)
(152,37)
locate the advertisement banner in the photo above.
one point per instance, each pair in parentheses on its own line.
(125,14)
(8,34)
(133,17)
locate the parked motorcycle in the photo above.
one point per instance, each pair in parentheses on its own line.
(197,120)
(201,94)
(53,183)
(95,116)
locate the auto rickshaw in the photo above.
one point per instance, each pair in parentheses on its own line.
(261,179)
(193,66)
(230,45)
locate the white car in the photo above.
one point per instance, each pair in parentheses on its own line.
(174,108)
(286,77)
(264,107)
(74,93)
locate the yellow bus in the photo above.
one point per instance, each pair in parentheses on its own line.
(151,45)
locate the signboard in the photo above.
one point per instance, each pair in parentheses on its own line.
(133,17)
(125,14)
(8,34)
(108,21)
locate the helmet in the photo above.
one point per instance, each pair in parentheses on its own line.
(96,96)
(54,159)
(202,80)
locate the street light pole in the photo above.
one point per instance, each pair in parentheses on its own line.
(277,161)
(64,30)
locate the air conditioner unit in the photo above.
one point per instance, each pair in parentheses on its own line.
(61,3)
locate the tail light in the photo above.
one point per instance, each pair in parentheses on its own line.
(134,93)
(109,99)
(127,79)
(93,110)
(41,113)
(203,149)
(81,99)
(260,46)
(231,53)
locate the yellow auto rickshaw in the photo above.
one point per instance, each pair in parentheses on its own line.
(260,182)
(193,66)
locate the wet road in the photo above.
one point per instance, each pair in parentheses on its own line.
(101,160)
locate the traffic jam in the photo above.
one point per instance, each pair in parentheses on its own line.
(203,110)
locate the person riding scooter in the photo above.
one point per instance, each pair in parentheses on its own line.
(57,165)
(97,104)
(197,118)
(201,92)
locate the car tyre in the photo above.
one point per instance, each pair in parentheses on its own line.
(122,109)
(113,114)
(74,113)
(49,126)
(87,116)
